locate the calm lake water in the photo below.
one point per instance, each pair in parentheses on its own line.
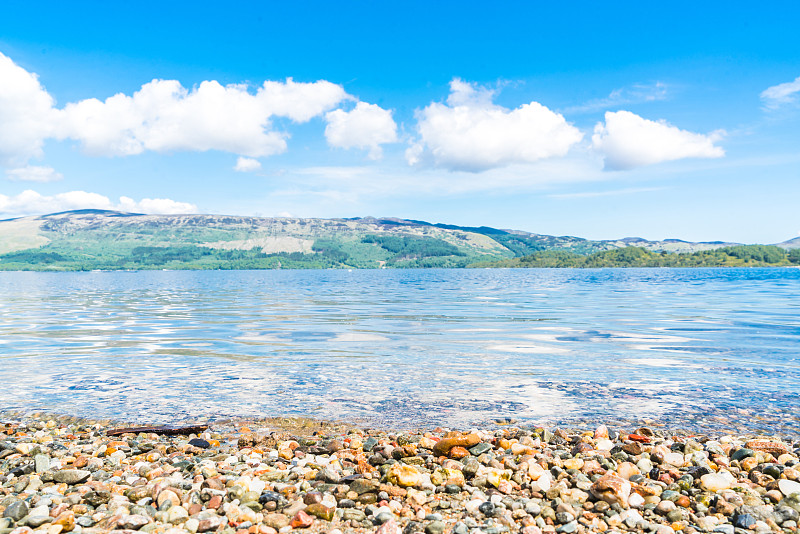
(699,348)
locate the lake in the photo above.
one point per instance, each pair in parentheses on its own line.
(697,348)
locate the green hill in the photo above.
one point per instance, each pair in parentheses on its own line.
(96,239)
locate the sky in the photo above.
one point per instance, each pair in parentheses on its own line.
(594,119)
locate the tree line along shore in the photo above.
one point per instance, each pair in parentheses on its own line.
(403,253)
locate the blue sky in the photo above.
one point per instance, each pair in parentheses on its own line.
(601,120)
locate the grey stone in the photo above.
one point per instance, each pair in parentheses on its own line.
(363,485)
(435,527)
(329,475)
(71,476)
(35,521)
(133,521)
(16,511)
(480,448)
(353,514)
(41,463)
(84,521)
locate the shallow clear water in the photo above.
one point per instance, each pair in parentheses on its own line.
(699,348)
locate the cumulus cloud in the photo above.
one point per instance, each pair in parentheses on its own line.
(32,173)
(627,140)
(26,114)
(247,165)
(30,202)
(368,126)
(471,133)
(781,94)
(163,206)
(162,116)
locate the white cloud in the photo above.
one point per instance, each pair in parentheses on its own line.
(26,114)
(30,202)
(162,116)
(626,141)
(366,127)
(163,206)
(32,173)
(781,94)
(247,165)
(471,133)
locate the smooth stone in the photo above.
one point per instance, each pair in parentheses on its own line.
(389,527)
(199,443)
(486,508)
(71,476)
(443,446)
(369,444)
(301,520)
(41,463)
(435,527)
(84,521)
(383,517)
(276,521)
(35,521)
(16,511)
(209,524)
(403,475)
(480,448)
(744,521)
(321,511)
(133,522)
(353,514)
(96,498)
(725,529)
(715,482)
(363,485)
(569,528)
(788,487)
(613,489)
(741,454)
(177,514)
(329,475)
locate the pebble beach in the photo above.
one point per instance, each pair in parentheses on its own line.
(61,474)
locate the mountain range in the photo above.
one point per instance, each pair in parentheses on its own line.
(98,239)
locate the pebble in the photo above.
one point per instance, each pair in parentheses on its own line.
(71,476)
(788,487)
(274,480)
(16,511)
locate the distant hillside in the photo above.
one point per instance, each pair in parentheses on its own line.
(97,239)
(790,244)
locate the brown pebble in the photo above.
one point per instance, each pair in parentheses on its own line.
(458,453)
(312,497)
(301,520)
(442,448)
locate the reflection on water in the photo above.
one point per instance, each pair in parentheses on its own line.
(700,348)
